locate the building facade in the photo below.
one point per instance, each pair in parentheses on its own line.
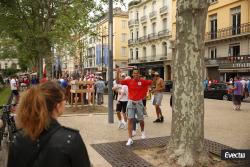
(150,25)
(96,58)
(227,39)
(9,63)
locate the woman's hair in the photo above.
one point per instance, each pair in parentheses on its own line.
(36,106)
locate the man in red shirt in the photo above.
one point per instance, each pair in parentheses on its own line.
(136,92)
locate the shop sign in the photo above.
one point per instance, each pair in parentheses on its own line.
(235,65)
(241,65)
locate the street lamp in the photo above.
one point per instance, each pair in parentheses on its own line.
(110,69)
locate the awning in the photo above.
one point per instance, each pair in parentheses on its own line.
(235,70)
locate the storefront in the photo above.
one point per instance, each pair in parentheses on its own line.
(228,71)
(145,68)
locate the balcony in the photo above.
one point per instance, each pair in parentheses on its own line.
(130,41)
(227,60)
(229,32)
(152,36)
(143,39)
(133,61)
(133,22)
(163,33)
(133,41)
(163,10)
(152,15)
(143,19)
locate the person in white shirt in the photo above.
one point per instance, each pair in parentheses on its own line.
(122,100)
(14,89)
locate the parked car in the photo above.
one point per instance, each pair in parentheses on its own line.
(168,85)
(218,91)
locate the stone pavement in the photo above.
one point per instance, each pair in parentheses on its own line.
(222,124)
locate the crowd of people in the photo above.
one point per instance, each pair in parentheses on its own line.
(239,88)
(41,137)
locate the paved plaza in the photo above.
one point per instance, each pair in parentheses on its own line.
(222,124)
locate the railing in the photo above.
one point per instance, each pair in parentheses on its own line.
(133,60)
(163,10)
(149,37)
(143,18)
(152,36)
(133,22)
(163,33)
(143,38)
(133,41)
(228,60)
(152,14)
(228,32)
(150,58)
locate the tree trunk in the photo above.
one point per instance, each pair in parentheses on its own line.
(187,134)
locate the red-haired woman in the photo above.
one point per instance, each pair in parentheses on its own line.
(42,141)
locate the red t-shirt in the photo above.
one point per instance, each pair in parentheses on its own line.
(136,88)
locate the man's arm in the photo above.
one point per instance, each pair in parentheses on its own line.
(117,78)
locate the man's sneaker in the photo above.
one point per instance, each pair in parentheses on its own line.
(143,136)
(157,120)
(130,142)
(162,119)
(120,125)
(133,133)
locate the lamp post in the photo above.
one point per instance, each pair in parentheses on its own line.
(110,69)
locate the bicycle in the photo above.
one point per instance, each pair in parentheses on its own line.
(8,126)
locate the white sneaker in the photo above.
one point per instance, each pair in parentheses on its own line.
(130,142)
(124,125)
(143,136)
(133,133)
(120,125)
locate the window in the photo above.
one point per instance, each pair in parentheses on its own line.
(137,15)
(154,28)
(124,35)
(164,24)
(153,6)
(234,50)
(164,49)
(124,24)
(153,51)
(144,52)
(123,51)
(236,20)
(131,54)
(144,10)
(132,35)
(144,31)
(137,54)
(213,26)
(137,34)
(212,52)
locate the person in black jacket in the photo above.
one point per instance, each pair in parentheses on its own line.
(41,140)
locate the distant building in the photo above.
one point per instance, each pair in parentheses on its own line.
(150,26)
(96,54)
(227,39)
(9,63)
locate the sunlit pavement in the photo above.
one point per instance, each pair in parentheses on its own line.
(222,124)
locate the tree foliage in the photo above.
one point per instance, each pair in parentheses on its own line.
(33,27)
